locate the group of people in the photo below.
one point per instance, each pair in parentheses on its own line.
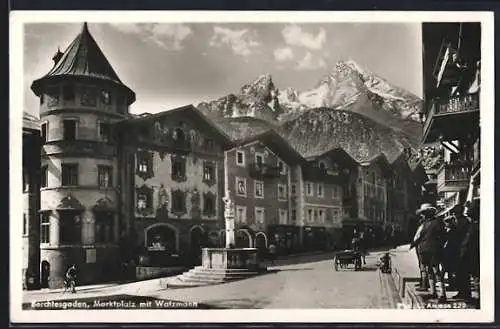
(448,245)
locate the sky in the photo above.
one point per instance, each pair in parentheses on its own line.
(170,65)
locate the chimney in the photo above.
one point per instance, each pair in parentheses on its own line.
(57,56)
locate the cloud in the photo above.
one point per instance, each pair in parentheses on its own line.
(283,54)
(311,62)
(242,42)
(295,36)
(168,36)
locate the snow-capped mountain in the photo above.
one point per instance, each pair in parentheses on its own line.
(347,87)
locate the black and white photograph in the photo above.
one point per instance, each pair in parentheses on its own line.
(286,166)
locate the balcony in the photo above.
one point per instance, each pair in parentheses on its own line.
(261,170)
(452,118)
(453,177)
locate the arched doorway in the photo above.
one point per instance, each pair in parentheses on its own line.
(161,237)
(196,241)
(261,244)
(243,239)
(44,274)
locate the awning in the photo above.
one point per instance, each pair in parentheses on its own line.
(70,203)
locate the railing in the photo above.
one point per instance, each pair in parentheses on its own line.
(462,103)
(453,174)
(263,170)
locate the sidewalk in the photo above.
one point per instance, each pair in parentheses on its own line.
(406,276)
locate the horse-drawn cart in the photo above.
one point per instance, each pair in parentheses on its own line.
(345,258)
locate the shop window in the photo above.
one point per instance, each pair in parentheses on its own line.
(105,176)
(69,129)
(44,227)
(69,174)
(104,228)
(70,228)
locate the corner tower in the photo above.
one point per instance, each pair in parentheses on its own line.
(80,99)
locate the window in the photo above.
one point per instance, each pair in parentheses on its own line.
(335,190)
(43,134)
(105,176)
(178,167)
(283,216)
(69,129)
(144,163)
(144,201)
(209,204)
(209,144)
(322,165)
(69,229)
(259,159)
(105,97)
(259,189)
(309,189)
(241,214)
(69,175)
(208,172)
(321,215)
(282,192)
(178,201)
(310,217)
(104,228)
(68,93)
(241,186)
(43,176)
(25,224)
(282,167)
(293,190)
(44,228)
(335,215)
(105,131)
(320,191)
(240,158)
(26,181)
(259,215)
(89,98)
(294,215)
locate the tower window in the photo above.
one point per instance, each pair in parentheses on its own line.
(43,134)
(69,129)
(44,228)
(105,97)
(43,176)
(69,175)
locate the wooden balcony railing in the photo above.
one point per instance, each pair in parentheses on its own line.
(263,170)
(454,175)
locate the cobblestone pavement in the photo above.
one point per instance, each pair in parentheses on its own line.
(306,282)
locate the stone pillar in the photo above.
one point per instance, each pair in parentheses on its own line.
(229,219)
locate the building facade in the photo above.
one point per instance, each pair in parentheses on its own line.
(452,95)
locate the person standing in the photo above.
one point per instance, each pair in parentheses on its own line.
(272,253)
(467,252)
(430,242)
(424,281)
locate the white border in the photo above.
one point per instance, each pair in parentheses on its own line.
(486,314)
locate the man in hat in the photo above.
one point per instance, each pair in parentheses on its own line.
(424,282)
(430,243)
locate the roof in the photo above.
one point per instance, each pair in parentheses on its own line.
(83,58)
(276,143)
(190,112)
(337,151)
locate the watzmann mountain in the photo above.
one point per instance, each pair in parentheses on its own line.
(375,108)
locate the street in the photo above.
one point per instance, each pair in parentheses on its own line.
(301,282)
